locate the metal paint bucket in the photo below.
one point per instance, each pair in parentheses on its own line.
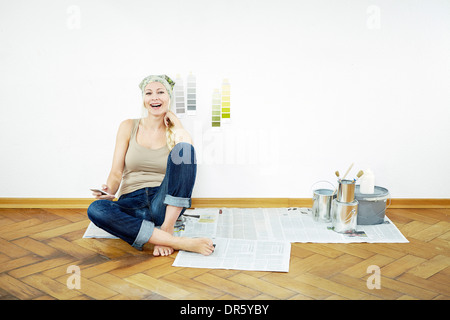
(322,204)
(346,191)
(344,216)
(372,207)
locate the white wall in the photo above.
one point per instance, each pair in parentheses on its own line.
(316,85)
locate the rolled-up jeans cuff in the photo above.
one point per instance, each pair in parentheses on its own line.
(177,201)
(145,233)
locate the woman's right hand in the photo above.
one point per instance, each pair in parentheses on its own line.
(99,195)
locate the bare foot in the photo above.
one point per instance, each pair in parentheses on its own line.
(162,239)
(162,251)
(199,245)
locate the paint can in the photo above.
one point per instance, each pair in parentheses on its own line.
(322,204)
(372,207)
(346,191)
(344,216)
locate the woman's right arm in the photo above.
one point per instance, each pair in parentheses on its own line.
(118,164)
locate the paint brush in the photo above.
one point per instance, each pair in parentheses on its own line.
(348,170)
(337,175)
(358,175)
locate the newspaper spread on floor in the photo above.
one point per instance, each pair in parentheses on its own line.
(260,239)
(254,255)
(279,224)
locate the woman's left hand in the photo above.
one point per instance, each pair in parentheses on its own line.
(170,119)
(180,134)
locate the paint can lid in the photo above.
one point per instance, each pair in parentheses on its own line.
(379,193)
(324,192)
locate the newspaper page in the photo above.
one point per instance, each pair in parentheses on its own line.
(240,254)
(274,224)
(198,223)
(282,224)
(93,231)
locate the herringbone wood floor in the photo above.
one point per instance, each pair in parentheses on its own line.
(37,246)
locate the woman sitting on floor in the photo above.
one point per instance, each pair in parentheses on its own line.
(154,164)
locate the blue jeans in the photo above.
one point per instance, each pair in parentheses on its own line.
(134,216)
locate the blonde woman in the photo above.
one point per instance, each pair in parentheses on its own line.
(154,165)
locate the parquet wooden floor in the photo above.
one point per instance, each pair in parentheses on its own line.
(37,246)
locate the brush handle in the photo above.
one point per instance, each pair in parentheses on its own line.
(348,170)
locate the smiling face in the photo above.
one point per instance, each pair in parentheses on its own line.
(156,98)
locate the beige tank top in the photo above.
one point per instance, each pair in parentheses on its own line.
(144,167)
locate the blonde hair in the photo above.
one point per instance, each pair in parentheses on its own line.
(170,137)
(170,134)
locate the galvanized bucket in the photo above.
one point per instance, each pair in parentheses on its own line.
(344,216)
(322,205)
(372,207)
(346,191)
